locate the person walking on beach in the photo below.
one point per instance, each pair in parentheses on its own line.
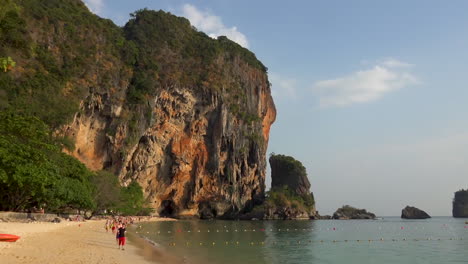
(117,234)
(107,226)
(121,233)
(113,226)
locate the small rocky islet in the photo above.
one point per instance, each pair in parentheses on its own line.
(348,212)
(410,212)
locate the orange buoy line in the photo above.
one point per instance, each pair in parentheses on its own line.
(307,242)
(331,229)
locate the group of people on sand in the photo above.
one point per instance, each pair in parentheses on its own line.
(118,227)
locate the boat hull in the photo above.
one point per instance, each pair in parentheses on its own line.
(8,238)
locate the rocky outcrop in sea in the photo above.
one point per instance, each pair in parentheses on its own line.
(290,196)
(348,212)
(460,204)
(410,212)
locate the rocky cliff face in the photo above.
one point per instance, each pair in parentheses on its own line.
(157,102)
(460,204)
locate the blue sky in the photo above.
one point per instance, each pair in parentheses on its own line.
(371,95)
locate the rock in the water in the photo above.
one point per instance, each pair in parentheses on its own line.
(289,197)
(460,204)
(410,212)
(348,212)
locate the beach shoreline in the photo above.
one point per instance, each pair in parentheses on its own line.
(74,242)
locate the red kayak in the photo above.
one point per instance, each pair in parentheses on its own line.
(8,238)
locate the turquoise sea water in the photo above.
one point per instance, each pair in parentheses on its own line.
(389,240)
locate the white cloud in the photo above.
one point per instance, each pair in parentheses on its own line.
(366,85)
(212,25)
(281,87)
(392,63)
(95,5)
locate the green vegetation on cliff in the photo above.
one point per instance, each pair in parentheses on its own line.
(284,197)
(460,204)
(34,172)
(61,51)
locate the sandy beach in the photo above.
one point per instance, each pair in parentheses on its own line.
(72,242)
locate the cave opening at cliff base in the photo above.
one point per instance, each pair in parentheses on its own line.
(167,208)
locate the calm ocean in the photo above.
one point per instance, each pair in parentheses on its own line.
(389,240)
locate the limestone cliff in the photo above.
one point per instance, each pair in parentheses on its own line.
(157,102)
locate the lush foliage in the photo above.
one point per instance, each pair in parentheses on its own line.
(106,192)
(289,164)
(33,170)
(7,63)
(111,197)
(285,197)
(132,201)
(48,82)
